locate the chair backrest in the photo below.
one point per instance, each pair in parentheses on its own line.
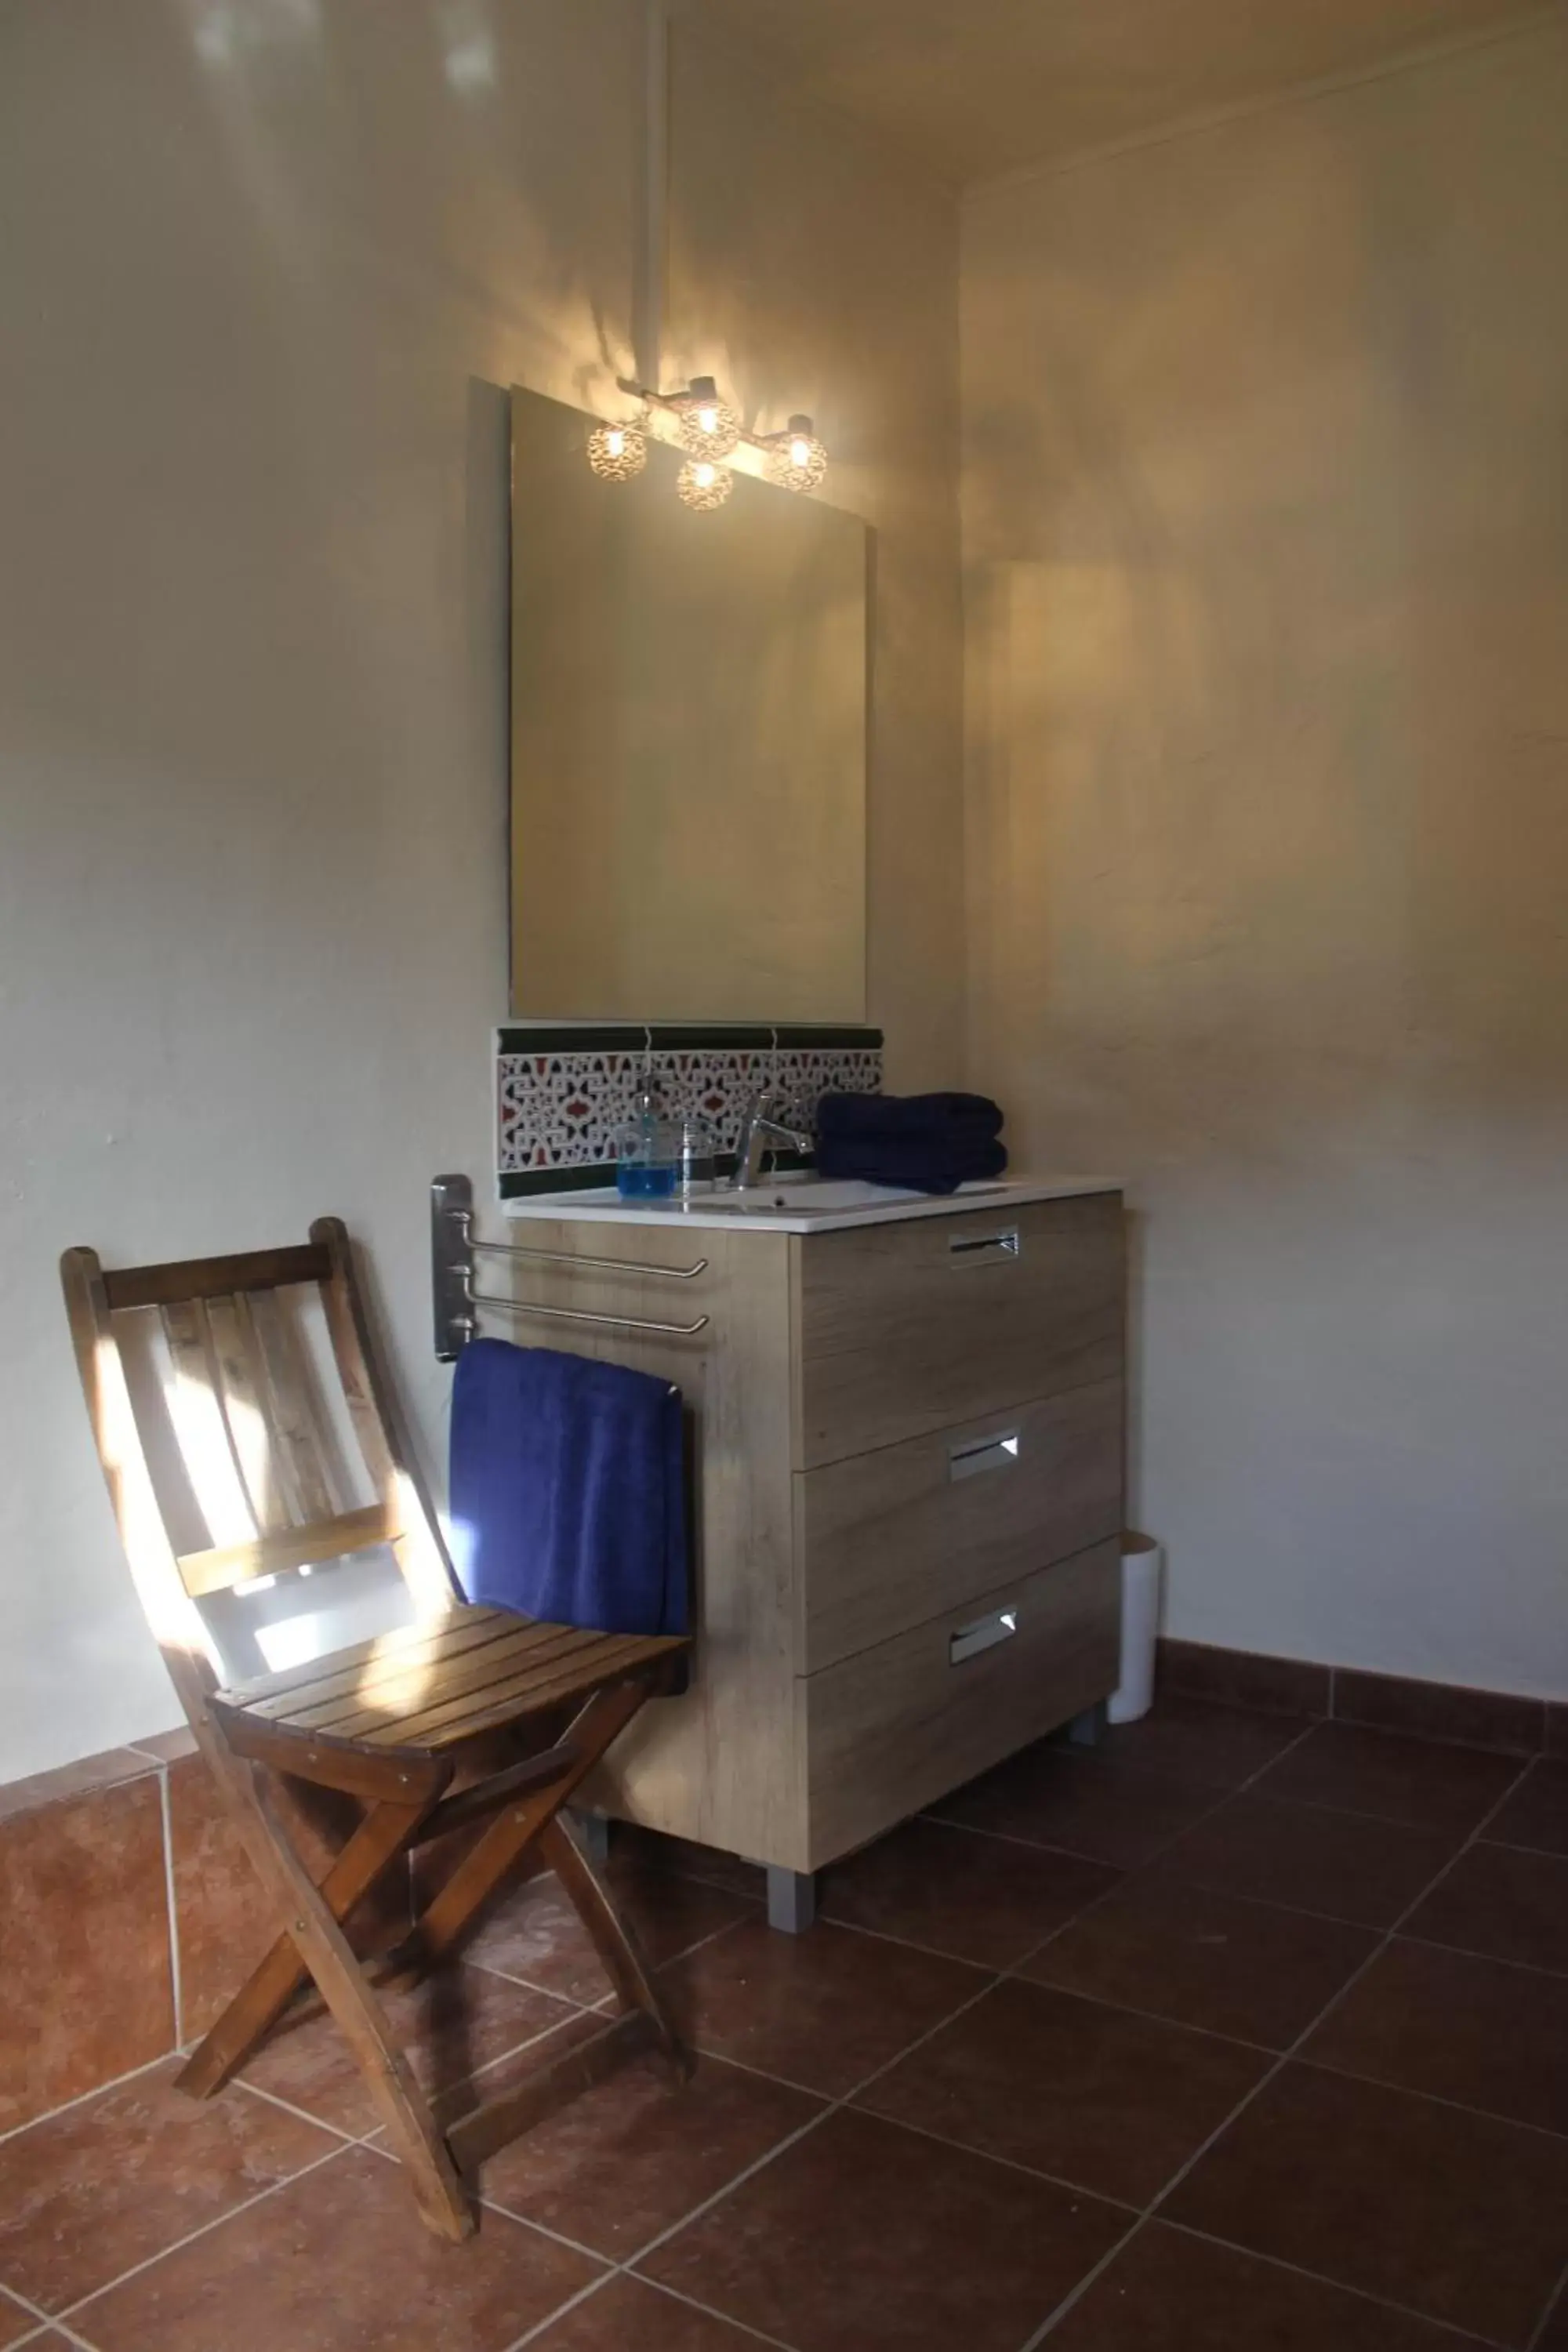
(245,1414)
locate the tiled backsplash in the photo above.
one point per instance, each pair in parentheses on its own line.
(562,1090)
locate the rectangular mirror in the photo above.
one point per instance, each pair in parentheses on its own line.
(688,743)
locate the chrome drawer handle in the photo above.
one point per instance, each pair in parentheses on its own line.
(984,1634)
(983,1249)
(977,1453)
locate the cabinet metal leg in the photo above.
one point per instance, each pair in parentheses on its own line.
(1088,1729)
(792,1900)
(592,1831)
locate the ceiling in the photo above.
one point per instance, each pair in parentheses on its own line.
(973,88)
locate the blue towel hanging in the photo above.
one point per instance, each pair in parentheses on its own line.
(568,1489)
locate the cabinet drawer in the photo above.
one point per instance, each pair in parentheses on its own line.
(910,1329)
(894,1538)
(897,1727)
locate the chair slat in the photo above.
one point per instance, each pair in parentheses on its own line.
(241,1391)
(375,1695)
(209,1277)
(362,1663)
(603,1658)
(305,1469)
(201,1425)
(608,1670)
(464,1679)
(226,1565)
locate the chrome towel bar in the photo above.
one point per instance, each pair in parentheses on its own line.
(455,1302)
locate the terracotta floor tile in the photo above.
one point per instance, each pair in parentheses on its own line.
(339,2262)
(15,2322)
(536,1933)
(86,2193)
(1051,1796)
(1306,1858)
(1172,2293)
(1484,2032)
(822,2009)
(1419,1783)
(1113,2103)
(1197,1740)
(1206,1958)
(458,2021)
(1536,1814)
(628,2315)
(861,2237)
(227,1920)
(1457,2216)
(980,1898)
(89,1983)
(1511,1905)
(619,2163)
(1553,2336)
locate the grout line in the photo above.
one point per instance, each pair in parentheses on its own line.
(625,2266)
(1511,1845)
(1008,2163)
(584,2295)
(593,2008)
(830,2107)
(300,2114)
(1499,1960)
(692,2304)
(174,1975)
(1269,2076)
(115,2083)
(1321,2278)
(1436,2098)
(274,2189)
(1556,2301)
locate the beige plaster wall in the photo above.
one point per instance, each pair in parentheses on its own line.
(267,268)
(1266,511)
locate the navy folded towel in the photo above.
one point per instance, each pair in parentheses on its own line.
(920,1143)
(568,1489)
(945,1118)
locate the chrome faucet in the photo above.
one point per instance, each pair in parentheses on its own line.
(760,1132)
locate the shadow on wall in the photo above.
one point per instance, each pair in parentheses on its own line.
(1268,766)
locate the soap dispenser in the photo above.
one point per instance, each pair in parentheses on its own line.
(647,1151)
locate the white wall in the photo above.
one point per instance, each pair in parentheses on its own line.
(266,266)
(1266,502)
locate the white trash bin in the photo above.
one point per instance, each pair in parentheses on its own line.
(1143,1561)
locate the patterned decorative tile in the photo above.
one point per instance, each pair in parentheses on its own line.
(561,1094)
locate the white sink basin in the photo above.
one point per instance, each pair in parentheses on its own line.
(818,1196)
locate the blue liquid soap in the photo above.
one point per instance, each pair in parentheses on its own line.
(643,1180)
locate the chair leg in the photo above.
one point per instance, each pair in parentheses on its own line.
(452,1912)
(329,1957)
(386,1830)
(624,1963)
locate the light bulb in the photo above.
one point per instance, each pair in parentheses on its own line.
(618,453)
(708,425)
(703,485)
(796,458)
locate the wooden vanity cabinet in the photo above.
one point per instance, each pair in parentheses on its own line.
(908,1448)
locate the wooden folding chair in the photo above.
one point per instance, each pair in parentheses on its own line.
(466,1715)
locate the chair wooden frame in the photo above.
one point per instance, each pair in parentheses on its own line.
(468,1716)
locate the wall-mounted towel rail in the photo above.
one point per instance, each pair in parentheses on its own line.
(455,1302)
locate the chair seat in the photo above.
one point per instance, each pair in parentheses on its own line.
(430,1687)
